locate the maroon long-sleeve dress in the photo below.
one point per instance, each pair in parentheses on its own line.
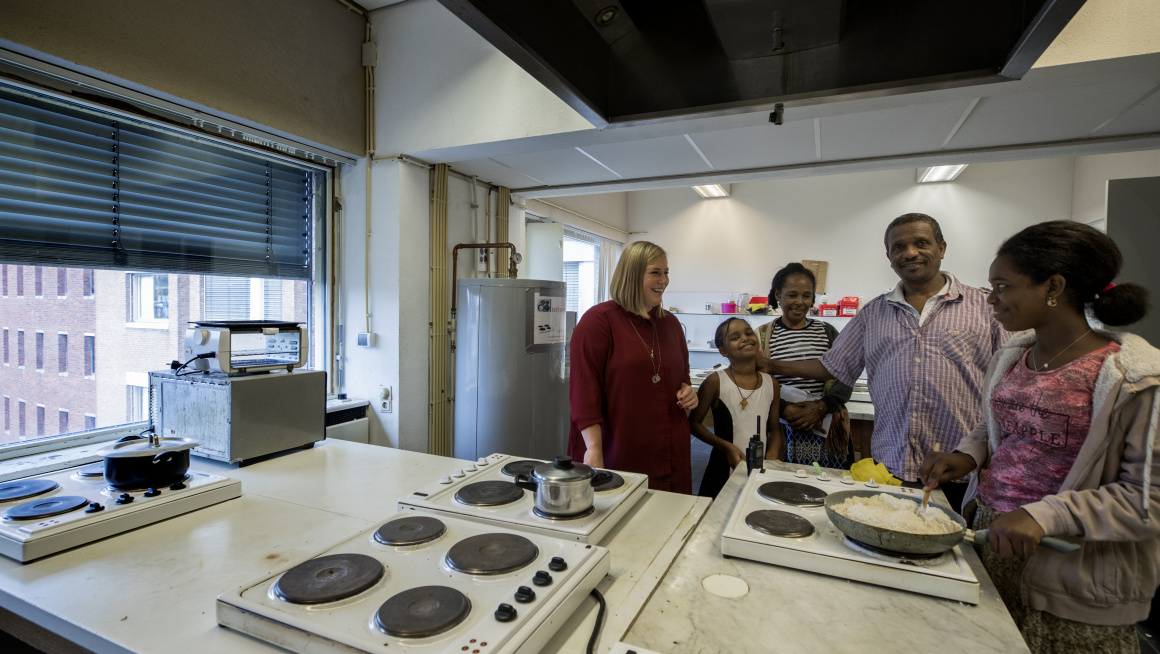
(643,428)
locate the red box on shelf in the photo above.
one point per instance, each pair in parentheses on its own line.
(848,306)
(828,310)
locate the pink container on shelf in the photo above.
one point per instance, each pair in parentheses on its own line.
(728,307)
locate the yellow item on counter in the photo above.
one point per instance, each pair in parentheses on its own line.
(867,469)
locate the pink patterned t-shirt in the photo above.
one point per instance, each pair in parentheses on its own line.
(1045,418)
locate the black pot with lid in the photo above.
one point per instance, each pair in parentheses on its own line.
(141,461)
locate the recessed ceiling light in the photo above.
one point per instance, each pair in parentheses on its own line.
(713,190)
(605,16)
(940,173)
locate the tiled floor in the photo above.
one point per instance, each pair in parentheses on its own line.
(1149,643)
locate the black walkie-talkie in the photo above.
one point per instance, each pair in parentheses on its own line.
(755,453)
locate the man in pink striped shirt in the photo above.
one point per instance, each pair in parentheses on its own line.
(925,347)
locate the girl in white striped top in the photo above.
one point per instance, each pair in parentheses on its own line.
(796,337)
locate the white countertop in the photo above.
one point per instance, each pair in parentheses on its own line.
(793,611)
(154,589)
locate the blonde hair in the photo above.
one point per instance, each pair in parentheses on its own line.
(627,287)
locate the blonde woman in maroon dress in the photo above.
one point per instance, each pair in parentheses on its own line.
(630,387)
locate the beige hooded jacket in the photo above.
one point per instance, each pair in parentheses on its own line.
(1106,503)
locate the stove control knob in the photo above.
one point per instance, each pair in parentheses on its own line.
(94,507)
(871,483)
(557,564)
(505,613)
(125,498)
(542,578)
(445,479)
(178,486)
(152,492)
(525,594)
(457,473)
(470,467)
(800,474)
(482,462)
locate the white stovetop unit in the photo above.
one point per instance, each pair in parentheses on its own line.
(827,551)
(85,509)
(609,506)
(422,603)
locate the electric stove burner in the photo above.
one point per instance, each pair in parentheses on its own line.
(20,489)
(489,493)
(37,509)
(606,480)
(411,530)
(857,545)
(491,554)
(792,493)
(329,578)
(422,611)
(92,470)
(523,467)
(779,523)
(571,516)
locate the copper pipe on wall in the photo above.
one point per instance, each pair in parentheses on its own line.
(512,271)
(503,203)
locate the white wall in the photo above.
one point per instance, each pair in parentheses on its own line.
(440,85)
(736,244)
(1090,182)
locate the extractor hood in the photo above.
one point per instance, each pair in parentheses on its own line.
(620,62)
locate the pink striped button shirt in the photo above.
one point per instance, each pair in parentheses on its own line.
(926,381)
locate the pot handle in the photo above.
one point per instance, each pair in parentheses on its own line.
(165,457)
(134,437)
(523,481)
(982,536)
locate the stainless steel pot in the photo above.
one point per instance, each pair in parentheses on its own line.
(562,488)
(905,543)
(147,462)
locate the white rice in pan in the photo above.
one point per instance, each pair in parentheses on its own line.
(897,514)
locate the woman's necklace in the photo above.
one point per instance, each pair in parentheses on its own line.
(1057,354)
(654,353)
(744,398)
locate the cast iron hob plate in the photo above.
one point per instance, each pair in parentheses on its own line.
(491,554)
(422,611)
(779,523)
(329,578)
(411,530)
(22,488)
(793,493)
(37,509)
(489,493)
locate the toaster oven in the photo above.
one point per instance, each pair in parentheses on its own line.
(237,347)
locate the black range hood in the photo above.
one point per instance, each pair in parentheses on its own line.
(621,62)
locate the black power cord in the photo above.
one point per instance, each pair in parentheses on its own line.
(599,622)
(178,367)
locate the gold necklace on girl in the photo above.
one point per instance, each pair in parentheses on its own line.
(654,353)
(744,398)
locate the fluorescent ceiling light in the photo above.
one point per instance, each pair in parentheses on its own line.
(713,190)
(940,173)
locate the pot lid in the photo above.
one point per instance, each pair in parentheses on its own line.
(144,448)
(563,469)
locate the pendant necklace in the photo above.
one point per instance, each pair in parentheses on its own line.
(744,398)
(653,352)
(1057,354)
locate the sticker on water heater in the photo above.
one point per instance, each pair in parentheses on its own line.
(549,320)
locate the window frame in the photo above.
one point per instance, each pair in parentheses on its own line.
(138,301)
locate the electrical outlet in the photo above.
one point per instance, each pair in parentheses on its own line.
(386,399)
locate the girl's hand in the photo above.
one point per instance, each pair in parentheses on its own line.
(734,455)
(687,398)
(939,467)
(1015,534)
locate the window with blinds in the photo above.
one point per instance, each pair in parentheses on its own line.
(84,187)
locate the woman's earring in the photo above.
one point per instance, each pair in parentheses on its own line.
(1051,302)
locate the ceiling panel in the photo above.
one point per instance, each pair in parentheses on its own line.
(758,146)
(563,166)
(901,130)
(1142,118)
(1046,115)
(495,173)
(669,155)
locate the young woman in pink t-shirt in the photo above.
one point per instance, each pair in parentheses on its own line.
(1067,444)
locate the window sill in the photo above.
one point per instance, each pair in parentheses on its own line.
(90,376)
(63,374)
(40,370)
(158,326)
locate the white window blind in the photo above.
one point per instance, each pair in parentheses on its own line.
(86,187)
